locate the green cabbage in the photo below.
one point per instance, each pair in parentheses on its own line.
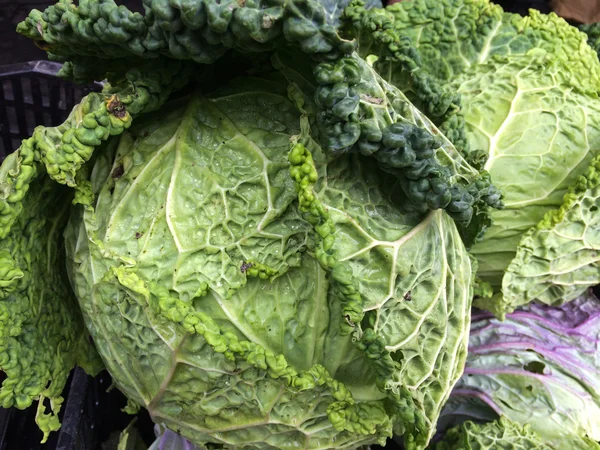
(528,98)
(215,305)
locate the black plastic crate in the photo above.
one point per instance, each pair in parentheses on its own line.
(30,95)
(91,419)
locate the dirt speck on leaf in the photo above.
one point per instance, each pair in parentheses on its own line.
(118,172)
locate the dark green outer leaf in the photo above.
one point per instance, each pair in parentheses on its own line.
(201,30)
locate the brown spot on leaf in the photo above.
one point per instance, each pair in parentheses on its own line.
(138,235)
(117,172)
(116,107)
(245,266)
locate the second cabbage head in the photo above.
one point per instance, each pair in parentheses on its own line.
(519,94)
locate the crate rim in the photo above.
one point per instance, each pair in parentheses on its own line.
(36,66)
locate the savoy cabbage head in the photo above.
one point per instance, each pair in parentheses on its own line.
(520,96)
(263,236)
(194,253)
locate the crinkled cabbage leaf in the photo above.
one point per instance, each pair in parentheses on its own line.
(42,335)
(200,30)
(498,435)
